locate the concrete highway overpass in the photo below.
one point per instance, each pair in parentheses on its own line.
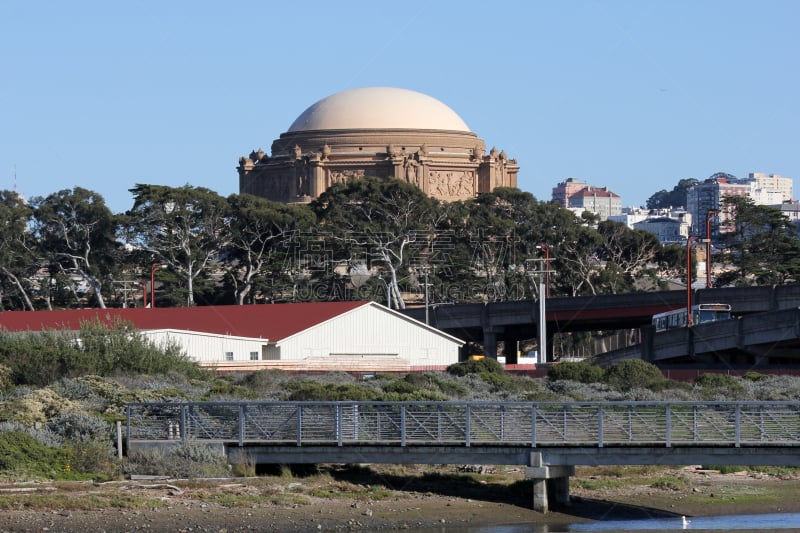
(514,321)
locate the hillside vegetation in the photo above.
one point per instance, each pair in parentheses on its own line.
(59,400)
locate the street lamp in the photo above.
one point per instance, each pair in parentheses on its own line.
(153,283)
(144,294)
(709,213)
(689,240)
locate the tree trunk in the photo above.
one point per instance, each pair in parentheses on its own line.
(23,294)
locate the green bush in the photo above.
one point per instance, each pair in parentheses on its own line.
(479,366)
(754,376)
(184,461)
(580,371)
(225,388)
(723,383)
(313,391)
(451,389)
(22,456)
(634,374)
(400,386)
(95,457)
(41,358)
(5,378)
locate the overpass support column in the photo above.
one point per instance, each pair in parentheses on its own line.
(510,351)
(490,340)
(549,483)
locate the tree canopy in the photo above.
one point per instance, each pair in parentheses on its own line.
(370,238)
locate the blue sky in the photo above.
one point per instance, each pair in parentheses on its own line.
(630,95)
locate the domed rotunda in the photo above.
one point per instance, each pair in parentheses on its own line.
(376,131)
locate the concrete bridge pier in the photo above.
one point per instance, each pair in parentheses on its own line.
(549,483)
(490,340)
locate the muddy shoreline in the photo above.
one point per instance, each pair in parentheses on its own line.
(384,501)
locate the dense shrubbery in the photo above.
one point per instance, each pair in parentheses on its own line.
(185,461)
(486,365)
(225,387)
(581,372)
(715,386)
(23,457)
(634,374)
(41,358)
(313,391)
(80,427)
(68,425)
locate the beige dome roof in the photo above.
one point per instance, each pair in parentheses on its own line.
(379,108)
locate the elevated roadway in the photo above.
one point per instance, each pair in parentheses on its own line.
(755,340)
(513,321)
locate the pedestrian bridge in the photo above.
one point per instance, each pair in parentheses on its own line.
(549,439)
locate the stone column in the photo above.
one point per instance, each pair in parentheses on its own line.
(316,177)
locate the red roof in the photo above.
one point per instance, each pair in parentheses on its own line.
(269,321)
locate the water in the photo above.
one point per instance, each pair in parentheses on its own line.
(752,522)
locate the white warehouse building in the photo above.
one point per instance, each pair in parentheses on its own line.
(318,336)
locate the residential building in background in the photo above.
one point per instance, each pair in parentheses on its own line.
(708,196)
(579,196)
(774,182)
(763,189)
(669,225)
(790,210)
(668,230)
(597,200)
(567,188)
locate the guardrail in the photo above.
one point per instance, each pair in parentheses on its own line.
(598,424)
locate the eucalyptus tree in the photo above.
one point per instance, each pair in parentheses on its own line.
(627,254)
(512,235)
(17,262)
(76,236)
(578,262)
(504,239)
(261,232)
(184,228)
(674,198)
(763,246)
(386,224)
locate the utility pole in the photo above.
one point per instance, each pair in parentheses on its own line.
(542,273)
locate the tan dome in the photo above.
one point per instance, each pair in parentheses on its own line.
(378,108)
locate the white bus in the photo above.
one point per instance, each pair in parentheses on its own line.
(701,314)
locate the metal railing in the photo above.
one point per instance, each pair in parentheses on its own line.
(596,424)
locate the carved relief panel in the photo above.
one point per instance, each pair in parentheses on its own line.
(341,176)
(451,185)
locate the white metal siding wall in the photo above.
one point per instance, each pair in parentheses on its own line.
(204,347)
(369,330)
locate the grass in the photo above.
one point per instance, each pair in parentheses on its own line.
(596,484)
(86,502)
(670,483)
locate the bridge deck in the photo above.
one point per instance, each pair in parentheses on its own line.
(549,439)
(469,424)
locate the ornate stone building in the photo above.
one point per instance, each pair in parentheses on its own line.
(376,131)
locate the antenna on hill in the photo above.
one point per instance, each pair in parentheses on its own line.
(15,178)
